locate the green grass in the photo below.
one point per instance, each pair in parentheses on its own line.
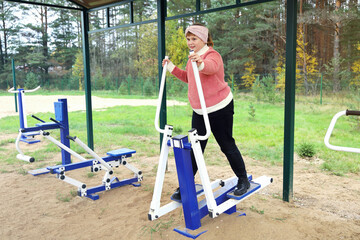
(259,136)
(254,209)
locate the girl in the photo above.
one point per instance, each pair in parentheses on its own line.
(218,98)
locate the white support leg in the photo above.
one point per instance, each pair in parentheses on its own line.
(81,186)
(106,180)
(155,211)
(21,155)
(205,180)
(136,171)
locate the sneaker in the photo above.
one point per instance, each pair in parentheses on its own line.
(176,195)
(242,186)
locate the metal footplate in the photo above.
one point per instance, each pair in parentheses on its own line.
(253,187)
(199,190)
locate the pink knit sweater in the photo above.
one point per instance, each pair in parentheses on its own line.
(212,80)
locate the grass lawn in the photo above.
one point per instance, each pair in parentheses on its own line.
(258,129)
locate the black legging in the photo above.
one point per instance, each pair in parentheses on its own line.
(221,123)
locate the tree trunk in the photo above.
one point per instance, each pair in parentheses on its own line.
(336,62)
(2,58)
(44,41)
(5,52)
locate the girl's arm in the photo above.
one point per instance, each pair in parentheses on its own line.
(212,63)
(180,74)
(174,70)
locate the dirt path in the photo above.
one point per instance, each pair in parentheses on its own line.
(37,103)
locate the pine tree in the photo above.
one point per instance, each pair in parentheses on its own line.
(64,34)
(78,69)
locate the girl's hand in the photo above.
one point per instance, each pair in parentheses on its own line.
(195,58)
(165,61)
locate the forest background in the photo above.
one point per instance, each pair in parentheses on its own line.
(46,46)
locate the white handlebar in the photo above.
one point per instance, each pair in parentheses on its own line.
(32,90)
(202,101)
(161,91)
(11,90)
(328,134)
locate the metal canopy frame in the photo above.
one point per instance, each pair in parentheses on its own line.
(87,6)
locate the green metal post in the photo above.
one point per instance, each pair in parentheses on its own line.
(87,78)
(291,27)
(161,11)
(14,82)
(321,79)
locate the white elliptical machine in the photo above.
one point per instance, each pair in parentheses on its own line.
(215,203)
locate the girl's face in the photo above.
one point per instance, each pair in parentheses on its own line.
(194,43)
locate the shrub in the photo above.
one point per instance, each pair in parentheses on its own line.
(306,150)
(123,89)
(99,81)
(264,89)
(32,81)
(251,112)
(149,88)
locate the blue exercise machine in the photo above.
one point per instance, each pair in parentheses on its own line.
(222,200)
(114,159)
(27,137)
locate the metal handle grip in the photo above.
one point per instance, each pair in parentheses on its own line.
(352,113)
(38,118)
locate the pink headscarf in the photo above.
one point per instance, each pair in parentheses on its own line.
(200,31)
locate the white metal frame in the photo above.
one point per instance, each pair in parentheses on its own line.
(328,135)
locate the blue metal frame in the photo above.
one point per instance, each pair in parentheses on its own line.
(61,115)
(14,82)
(193,210)
(91,191)
(88,163)
(115,155)
(186,182)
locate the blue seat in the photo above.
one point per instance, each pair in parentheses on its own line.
(120,152)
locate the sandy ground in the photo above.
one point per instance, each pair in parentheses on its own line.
(324,206)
